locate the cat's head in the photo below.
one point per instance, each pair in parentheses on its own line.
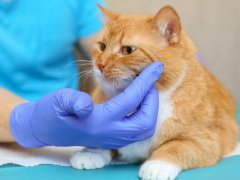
(129,43)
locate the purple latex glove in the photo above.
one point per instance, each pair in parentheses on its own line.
(69,117)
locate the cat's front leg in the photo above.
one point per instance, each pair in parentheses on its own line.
(166,162)
(91,159)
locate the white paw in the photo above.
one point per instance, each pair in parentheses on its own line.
(159,170)
(90,159)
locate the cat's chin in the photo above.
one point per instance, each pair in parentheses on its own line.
(112,87)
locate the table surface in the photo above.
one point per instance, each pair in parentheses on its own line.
(227,168)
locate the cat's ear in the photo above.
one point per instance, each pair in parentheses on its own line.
(168,22)
(107,13)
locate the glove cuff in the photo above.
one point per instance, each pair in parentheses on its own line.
(20,126)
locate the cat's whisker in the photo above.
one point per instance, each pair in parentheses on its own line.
(85,73)
(86,77)
(85,60)
(82,60)
(82,74)
(83,63)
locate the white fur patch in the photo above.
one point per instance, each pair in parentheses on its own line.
(159,170)
(140,150)
(90,159)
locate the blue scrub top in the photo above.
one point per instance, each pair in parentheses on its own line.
(36,43)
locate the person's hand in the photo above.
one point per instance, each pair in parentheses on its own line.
(69,117)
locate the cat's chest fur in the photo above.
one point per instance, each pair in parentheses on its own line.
(140,150)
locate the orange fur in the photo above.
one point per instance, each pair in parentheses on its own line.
(203,126)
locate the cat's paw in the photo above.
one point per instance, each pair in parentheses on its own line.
(90,159)
(159,170)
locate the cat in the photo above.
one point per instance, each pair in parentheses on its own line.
(196,120)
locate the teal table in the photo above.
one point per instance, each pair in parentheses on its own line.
(226,169)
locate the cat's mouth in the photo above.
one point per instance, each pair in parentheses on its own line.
(114,81)
(113,85)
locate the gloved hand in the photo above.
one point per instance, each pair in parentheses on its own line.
(69,117)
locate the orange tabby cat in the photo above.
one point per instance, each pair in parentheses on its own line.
(196,123)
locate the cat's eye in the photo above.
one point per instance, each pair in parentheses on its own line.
(102,46)
(126,50)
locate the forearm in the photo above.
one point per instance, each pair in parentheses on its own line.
(7,102)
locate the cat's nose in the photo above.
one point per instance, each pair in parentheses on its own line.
(101,67)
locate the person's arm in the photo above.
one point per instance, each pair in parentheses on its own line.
(7,102)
